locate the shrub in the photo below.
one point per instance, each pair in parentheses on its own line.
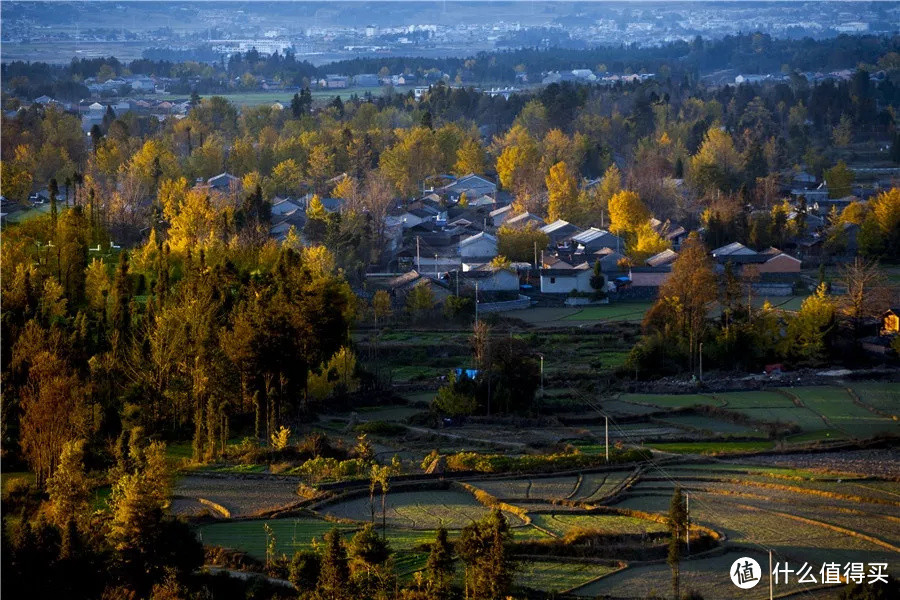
(382,428)
(321,468)
(280,438)
(500,463)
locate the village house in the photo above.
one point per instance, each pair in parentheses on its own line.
(593,239)
(473,186)
(560,280)
(748,261)
(655,270)
(500,215)
(559,231)
(224,182)
(482,246)
(523,220)
(488,279)
(399,287)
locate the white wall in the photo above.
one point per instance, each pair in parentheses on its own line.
(580,280)
(502,281)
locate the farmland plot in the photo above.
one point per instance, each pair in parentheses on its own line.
(250,536)
(884,397)
(552,487)
(562,523)
(556,577)
(596,486)
(241,497)
(418,510)
(837,407)
(708,576)
(756,522)
(703,423)
(504,488)
(670,400)
(754,399)
(625,408)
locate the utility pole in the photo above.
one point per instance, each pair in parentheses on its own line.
(476,303)
(606,431)
(535,255)
(435,267)
(418,263)
(687,525)
(771,588)
(542,374)
(701,361)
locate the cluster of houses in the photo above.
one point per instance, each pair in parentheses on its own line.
(589,76)
(450,244)
(448,239)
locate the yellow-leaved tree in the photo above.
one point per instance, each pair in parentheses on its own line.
(626,213)
(647,243)
(470,158)
(194,227)
(337,374)
(562,190)
(717,164)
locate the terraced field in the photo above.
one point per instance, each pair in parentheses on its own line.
(822,413)
(808,507)
(239,497)
(802,515)
(562,523)
(708,576)
(836,406)
(451,509)
(556,577)
(710,425)
(304,533)
(250,536)
(883,398)
(596,486)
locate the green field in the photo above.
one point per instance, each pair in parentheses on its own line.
(723,447)
(557,577)
(836,405)
(562,523)
(881,396)
(621,311)
(306,532)
(250,536)
(708,424)
(670,400)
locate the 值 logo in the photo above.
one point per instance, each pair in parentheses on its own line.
(745,573)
